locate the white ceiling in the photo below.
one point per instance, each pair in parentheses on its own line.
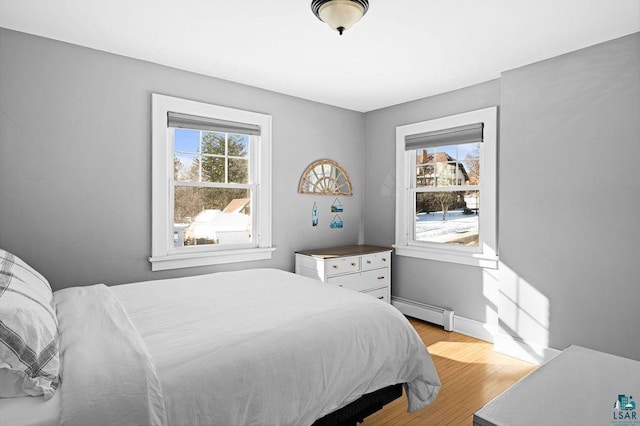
(401,50)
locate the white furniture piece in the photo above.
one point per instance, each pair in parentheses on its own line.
(362,268)
(578,387)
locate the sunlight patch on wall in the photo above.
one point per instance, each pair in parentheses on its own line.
(490,281)
(523,326)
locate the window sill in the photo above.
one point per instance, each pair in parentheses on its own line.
(464,258)
(176,261)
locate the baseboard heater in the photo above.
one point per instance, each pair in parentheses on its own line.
(429,313)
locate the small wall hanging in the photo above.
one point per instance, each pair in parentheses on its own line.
(337,207)
(325,177)
(336,222)
(314,215)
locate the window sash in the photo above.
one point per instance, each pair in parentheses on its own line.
(413,166)
(202,156)
(253,242)
(413,240)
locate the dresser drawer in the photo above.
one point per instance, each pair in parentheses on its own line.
(381,294)
(375,261)
(363,281)
(364,268)
(343,265)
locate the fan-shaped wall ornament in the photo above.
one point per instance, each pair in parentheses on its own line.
(325,177)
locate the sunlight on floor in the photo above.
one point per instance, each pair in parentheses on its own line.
(457,351)
(471,372)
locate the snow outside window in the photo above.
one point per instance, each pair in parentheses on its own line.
(446,189)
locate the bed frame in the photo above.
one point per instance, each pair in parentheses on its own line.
(354,413)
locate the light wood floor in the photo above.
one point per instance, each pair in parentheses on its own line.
(471,372)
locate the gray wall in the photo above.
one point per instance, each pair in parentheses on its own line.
(569,149)
(75,189)
(459,287)
(570,198)
(75,160)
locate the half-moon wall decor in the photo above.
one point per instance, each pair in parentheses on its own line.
(325,177)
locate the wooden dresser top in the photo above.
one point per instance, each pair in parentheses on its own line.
(354,250)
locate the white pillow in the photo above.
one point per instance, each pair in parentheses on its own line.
(29,359)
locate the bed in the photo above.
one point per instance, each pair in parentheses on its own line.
(251,347)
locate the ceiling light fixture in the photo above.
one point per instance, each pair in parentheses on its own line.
(340,15)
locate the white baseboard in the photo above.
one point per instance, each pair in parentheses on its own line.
(434,315)
(506,344)
(526,351)
(473,328)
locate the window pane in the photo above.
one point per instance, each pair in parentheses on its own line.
(186,167)
(213,169)
(238,170)
(187,140)
(447,168)
(449,217)
(448,173)
(213,143)
(425,167)
(211,216)
(238,145)
(469,155)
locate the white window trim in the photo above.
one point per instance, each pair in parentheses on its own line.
(485,255)
(163,254)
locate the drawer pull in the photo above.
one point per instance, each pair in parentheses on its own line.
(339,285)
(381,277)
(369,262)
(381,297)
(384,259)
(335,266)
(353,263)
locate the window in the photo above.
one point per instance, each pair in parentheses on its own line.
(211,184)
(446,189)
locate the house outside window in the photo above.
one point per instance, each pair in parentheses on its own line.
(446,189)
(211,184)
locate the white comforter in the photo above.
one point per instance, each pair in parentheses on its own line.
(108,375)
(256,347)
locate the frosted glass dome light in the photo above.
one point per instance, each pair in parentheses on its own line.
(340,15)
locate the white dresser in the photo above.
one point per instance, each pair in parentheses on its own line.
(361,268)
